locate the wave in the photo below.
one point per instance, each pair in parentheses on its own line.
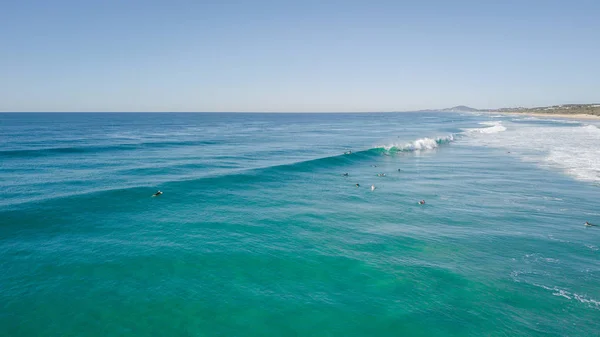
(237,176)
(250,177)
(419,144)
(232,175)
(433,143)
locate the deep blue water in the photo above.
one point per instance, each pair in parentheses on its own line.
(258,233)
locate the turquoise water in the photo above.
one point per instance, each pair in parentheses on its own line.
(258,233)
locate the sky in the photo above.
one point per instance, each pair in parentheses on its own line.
(296,56)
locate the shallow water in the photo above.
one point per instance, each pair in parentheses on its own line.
(258,233)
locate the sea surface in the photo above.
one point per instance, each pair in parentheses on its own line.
(259,233)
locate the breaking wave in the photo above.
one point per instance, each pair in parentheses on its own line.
(433,143)
(419,144)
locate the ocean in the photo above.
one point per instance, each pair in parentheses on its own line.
(259,232)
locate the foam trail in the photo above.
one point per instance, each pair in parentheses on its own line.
(492,127)
(592,303)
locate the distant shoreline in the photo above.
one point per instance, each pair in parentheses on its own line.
(573,111)
(546,114)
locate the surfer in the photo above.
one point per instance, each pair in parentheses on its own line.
(422,202)
(157,193)
(348,152)
(345,174)
(357,185)
(372,187)
(587,224)
(373,165)
(399,170)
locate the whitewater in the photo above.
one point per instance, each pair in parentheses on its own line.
(572,147)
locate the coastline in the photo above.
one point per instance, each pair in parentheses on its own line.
(550,115)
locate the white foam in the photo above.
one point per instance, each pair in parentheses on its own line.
(569,295)
(556,291)
(493,127)
(419,144)
(582,299)
(575,149)
(529,258)
(562,293)
(578,153)
(422,144)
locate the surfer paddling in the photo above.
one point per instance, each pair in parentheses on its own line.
(157,193)
(587,224)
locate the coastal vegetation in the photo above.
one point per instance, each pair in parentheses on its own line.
(564,109)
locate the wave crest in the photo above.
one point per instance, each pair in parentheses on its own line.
(419,144)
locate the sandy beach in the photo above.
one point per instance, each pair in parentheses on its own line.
(548,115)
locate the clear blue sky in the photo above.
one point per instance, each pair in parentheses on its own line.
(116,55)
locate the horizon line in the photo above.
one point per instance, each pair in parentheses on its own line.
(224,112)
